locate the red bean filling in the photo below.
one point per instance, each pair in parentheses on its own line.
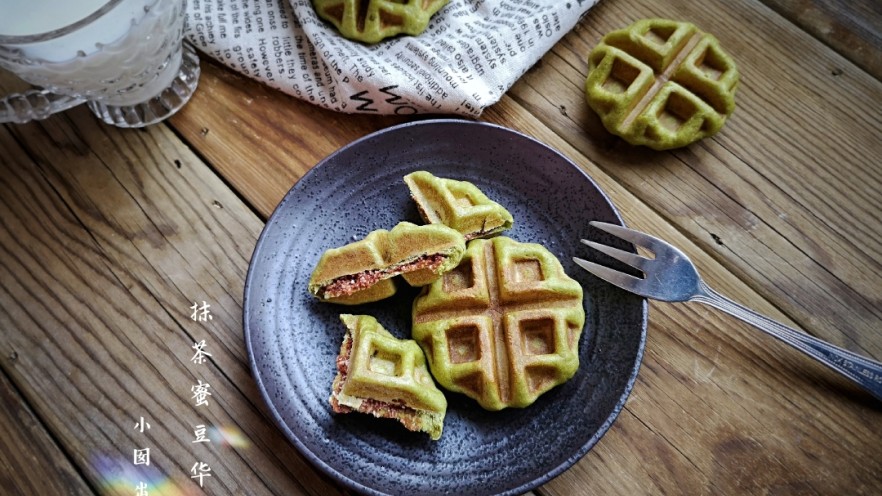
(346,285)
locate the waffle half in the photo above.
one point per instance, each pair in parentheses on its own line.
(387,377)
(371,21)
(458,204)
(362,271)
(661,83)
(503,327)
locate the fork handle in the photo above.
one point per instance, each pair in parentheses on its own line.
(865,372)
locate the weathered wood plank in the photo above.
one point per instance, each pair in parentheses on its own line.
(785,195)
(108,237)
(726,188)
(30,461)
(699,410)
(851,28)
(255,135)
(718,406)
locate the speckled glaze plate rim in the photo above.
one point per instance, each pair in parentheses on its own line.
(359,483)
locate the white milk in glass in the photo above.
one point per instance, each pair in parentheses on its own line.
(36,17)
(29,17)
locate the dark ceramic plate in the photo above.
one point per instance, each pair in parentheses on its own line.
(293,340)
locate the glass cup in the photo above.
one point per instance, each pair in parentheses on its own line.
(124,58)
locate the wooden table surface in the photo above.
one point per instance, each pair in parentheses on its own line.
(109,236)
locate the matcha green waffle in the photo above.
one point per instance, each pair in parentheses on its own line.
(503,327)
(661,83)
(387,377)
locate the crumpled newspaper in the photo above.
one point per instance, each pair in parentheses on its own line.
(471,53)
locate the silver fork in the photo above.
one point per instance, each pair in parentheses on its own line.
(671,276)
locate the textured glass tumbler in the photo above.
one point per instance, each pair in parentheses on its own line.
(126,61)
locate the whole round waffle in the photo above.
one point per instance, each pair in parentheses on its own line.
(371,21)
(503,327)
(661,83)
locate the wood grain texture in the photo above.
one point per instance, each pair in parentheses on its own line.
(255,135)
(707,395)
(718,398)
(108,236)
(131,229)
(715,399)
(758,195)
(30,460)
(851,28)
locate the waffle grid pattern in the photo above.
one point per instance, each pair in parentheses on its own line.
(661,83)
(504,326)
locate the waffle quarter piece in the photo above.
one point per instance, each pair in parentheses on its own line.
(381,375)
(458,204)
(371,21)
(504,326)
(661,83)
(362,271)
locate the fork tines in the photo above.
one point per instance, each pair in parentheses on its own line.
(621,279)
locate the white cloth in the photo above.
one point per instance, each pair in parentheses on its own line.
(468,57)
